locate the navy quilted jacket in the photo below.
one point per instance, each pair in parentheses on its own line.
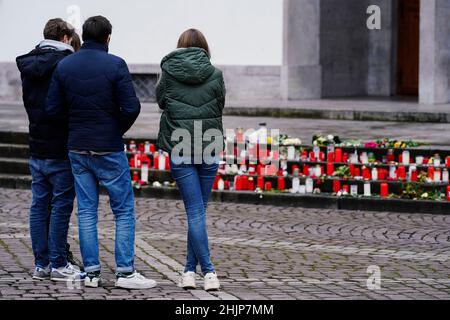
(95,90)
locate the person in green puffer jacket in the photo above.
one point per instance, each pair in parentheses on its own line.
(191,93)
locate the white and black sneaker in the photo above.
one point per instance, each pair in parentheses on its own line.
(211,282)
(67,273)
(93,279)
(41,273)
(134,280)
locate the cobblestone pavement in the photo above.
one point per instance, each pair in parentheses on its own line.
(14,118)
(260,252)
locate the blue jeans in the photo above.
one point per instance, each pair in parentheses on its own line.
(51,207)
(113,173)
(195,183)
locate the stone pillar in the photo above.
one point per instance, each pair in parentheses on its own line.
(301,73)
(434,51)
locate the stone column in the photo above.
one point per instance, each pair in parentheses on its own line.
(301,74)
(434,51)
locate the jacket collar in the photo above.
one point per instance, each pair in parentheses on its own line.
(95,45)
(55,45)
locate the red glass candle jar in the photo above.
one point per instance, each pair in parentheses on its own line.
(135,176)
(401,173)
(306,170)
(345,188)
(414,175)
(312,156)
(260,182)
(156,162)
(281,183)
(268,186)
(251,184)
(345,157)
(321,156)
(448,193)
(366,173)
(294,167)
(216,182)
(330,169)
(141,147)
(447,162)
(351,166)
(384,190)
(244,182)
(357,172)
(338,155)
(336,186)
(431,173)
(330,157)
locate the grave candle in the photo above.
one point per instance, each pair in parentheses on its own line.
(291,153)
(445,175)
(367,191)
(437,175)
(414,175)
(345,157)
(141,147)
(357,172)
(309,185)
(338,155)
(401,173)
(406,157)
(162,161)
(294,167)
(156,160)
(135,176)
(144,172)
(345,188)
(354,190)
(220,185)
(227,185)
(306,170)
(244,182)
(336,186)
(431,173)
(237,183)
(351,166)
(302,189)
(321,156)
(330,169)
(384,190)
(447,162)
(260,182)
(147,147)
(366,173)
(330,157)
(268,186)
(281,183)
(448,193)
(419,160)
(374,174)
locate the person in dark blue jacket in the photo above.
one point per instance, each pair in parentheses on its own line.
(52,180)
(95,89)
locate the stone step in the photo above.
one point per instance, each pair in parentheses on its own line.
(10,137)
(14,166)
(14,150)
(322,201)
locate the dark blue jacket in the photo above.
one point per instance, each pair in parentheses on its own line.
(47,138)
(96,91)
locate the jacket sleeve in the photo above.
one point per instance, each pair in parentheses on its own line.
(224,93)
(129,105)
(161,91)
(55,104)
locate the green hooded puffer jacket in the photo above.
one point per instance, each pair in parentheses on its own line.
(191,92)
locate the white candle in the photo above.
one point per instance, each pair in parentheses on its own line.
(144,172)
(392,173)
(147,147)
(374,174)
(291,153)
(295,185)
(445,175)
(162,162)
(309,185)
(302,189)
(437,175)
(419,160)
(367,191)
(405,157)
(220,185)
(354,190)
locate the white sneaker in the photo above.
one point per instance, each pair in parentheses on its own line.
(135,281)
(69,272)
(41,273)
(93,279)
(211,282)
(187,280)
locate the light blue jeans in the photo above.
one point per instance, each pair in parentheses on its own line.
(195,183)
(113,173)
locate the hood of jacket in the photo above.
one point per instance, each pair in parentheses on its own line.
(41,62)
(188,65)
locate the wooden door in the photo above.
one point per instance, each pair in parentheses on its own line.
(408,47)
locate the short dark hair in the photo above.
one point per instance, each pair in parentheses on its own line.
(193,38)
(97,28)
(56,29)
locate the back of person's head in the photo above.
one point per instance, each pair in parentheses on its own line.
(193,38)
(97,29)
(76,42)
(56,29)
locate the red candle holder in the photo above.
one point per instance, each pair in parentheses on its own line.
(431,173)
(345,188)
(447,162)
(251,184)
(336,186)
(367,175)
(244,182)
(281,184)
(448,193)
(268,186)
(306,170)
(401,173)
(294,167)
(384,190)
(330,157)
(351,166)
(357,172)
(260,182)
(414,175)
(344,157)
(330,169)
(135,176)
(338,155)
(226,185)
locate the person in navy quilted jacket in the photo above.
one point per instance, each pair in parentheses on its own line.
(94,90)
